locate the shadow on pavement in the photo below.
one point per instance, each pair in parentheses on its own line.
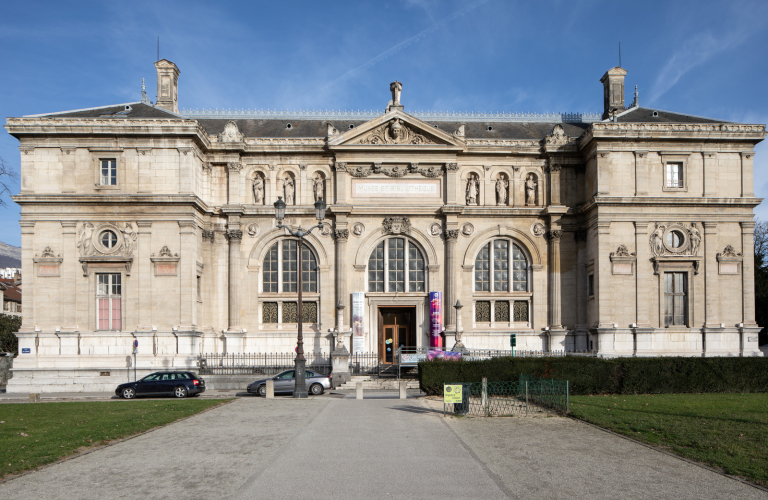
(416,409)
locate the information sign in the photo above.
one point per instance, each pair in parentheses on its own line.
(358,322)
(452,393)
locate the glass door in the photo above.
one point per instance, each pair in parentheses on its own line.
(395,332)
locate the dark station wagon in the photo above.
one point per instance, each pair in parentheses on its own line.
(178,384)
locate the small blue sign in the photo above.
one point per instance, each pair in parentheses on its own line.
(25,350)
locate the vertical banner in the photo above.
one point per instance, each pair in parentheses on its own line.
(436,320)
(358,322)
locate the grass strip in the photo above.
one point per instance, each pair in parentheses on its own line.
(726,431)
(36,434)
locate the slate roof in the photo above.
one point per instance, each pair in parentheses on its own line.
(641,114)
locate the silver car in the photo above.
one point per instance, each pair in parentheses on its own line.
(317,383)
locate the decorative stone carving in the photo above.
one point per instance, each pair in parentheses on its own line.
(501,190)
(318,187)
(234,235)
(85,241)
(459,131)
(622,251)
(395,171)
(340,167)
(467,229)
(48,253)
(452,234)
(341,234)
(557,137)
(530,190)
(728,252)
(359,171)
(435,229)
(325,229)
(302,166)
(554,168)
(473,189)
(396,88)
(166,252)
(253,230)
(538,229)
(234,166)
(130,238)
(230,133)
(434,171)
(451,167)
(208,235)
(555,234)
(675,238)
(258,190)
(332,131)
(289,188)
(393,132)
(358,229)
(396,225)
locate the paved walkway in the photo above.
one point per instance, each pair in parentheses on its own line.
(331,447)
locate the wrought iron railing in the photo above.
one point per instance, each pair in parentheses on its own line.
(523,397)
(265,363)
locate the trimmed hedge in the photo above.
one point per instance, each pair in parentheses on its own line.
(9,325)
(586,375)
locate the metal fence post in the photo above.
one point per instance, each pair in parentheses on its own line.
(484,396)
(567,398)
(526,398)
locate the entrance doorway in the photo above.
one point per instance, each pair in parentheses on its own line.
(397,328)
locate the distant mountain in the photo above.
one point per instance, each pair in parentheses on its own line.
(10,256)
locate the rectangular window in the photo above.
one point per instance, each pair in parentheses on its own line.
(199,289)
(674,175)
(376,269)
(675,299)
(500,266)
(397,265)
(415,269)
(270,271)
(109,172)
(482,270)
(109,305)
(290,266)
(591,285)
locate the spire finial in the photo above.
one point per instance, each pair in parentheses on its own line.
(637,98)
(144,98)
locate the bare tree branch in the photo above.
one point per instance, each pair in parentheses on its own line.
(6,176)
(761,240)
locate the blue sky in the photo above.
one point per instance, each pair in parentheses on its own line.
(698,57)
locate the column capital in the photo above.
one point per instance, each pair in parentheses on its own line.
(709,227)
(451,167)
(747,227)
(554,234)
(340,167)
(451,235)
(208,234)
(234,166)
(641,227)
(747,154)
(234,235)
(341,234)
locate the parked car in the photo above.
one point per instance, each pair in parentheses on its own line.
(178,384)
(317,383)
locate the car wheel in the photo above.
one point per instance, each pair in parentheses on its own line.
(262,390)
(180,392)
(316,389)
(129,393)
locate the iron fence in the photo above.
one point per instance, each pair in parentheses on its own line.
(266,363)
(523,397)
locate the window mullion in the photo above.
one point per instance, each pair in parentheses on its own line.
(279,267)
(386,265)
(491,268)
(406,267)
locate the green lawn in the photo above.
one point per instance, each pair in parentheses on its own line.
(39,433)
(727,431)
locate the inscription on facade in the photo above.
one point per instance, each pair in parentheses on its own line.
(430,189)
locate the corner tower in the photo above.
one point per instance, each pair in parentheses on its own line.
(613,91)
(167,85)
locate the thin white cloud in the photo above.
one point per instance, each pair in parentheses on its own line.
(397,48)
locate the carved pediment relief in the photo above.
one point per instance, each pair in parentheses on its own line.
(394,131)
(231,133)
(557,137)
(395,128)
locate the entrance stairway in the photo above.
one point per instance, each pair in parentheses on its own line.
(374,383)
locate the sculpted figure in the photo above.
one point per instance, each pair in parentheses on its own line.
(129,238)
(396,130)
(695,239)
(317,186)
(530,190)
(289,189)
(472,190)
(501,190)
(85,239)
(258,190)
(657,243)
(396,88)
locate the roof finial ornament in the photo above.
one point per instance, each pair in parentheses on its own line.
(637,99)
(396,88)
(144,98)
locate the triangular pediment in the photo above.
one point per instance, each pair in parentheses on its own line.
(395,129)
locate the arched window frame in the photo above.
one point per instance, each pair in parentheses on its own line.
(276,306)
(489,306)
(409,243)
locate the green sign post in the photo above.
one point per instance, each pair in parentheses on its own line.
(513,342)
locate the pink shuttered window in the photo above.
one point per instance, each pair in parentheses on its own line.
(109,303)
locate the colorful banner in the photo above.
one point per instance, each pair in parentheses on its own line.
(443,355)
(358,322)
(436,319)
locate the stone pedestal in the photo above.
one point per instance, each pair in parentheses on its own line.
(340,367)
(557,340)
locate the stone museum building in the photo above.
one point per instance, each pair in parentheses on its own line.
(624,233)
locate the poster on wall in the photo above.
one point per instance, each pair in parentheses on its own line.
(436,320)
(358,322)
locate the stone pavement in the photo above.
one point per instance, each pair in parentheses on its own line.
(335,447)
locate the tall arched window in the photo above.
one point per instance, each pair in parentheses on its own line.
(280,276)
(396,265)
(501,276)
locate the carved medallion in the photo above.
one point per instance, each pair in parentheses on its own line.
(253,230)
(358,229)
(435,229)
(557,137)
(230,133)
(393,132)
(396,225)
(467,229)
(538,229)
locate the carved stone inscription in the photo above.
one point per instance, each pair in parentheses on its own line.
(395,189)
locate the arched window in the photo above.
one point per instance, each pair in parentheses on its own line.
(495,255)
(396,265)
(280,268)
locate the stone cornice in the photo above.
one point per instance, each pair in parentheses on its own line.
(676,131)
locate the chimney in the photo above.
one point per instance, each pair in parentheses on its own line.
(167,85)
(613,91)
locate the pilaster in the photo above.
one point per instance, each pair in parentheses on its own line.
(451,237)
(711,290)
(28,272)
(710,165)
(143,275)
(188,274)
(747,168)
(554,235)
(144,170)
(69,267)
(748,273)
(554,184)
(68,170)
(342,196)
(643,274)
(341,234)
(233,172)
(641,173)
(603,273)
(451,180)
(235,236)
(580,340)
(186,170)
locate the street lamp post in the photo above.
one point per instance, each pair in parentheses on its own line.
(300,389)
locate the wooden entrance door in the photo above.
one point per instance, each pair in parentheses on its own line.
(396,329)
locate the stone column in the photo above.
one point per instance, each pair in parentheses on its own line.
(451,175)
(748,273)
(235,236)
(556,331)
(747,181)
(451,237)
(641,173)
(68,301)
(710,165)
(342,197)
(711,290)
(342,297)
(233,196)
(554,184)
(580,341)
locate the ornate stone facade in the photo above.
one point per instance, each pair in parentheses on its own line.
(556,237)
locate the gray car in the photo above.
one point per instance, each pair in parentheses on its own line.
(317,383)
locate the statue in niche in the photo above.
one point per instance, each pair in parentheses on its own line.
(530,190)
(258,190)
(501,190)
(86,235)
(472,189)
(695,236)
(318,186)
(657,240)
(129,237)
(396,88)
(289,188)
